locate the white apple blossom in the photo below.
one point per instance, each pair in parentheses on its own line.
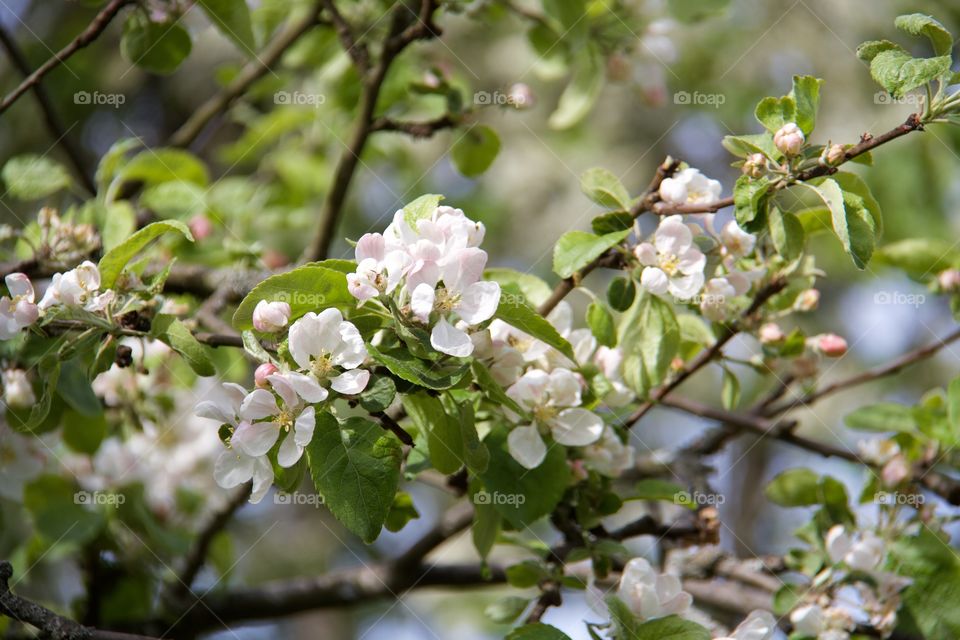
(608,456)
(327,348)
(264,419)
(649,594)
(380,267)
(582,341)
(861,551)
(78,287)
(234,467)
(505,363)
(737,242)
(553,400)
(17,311)
(225,410)
(271,317)
(689,186)
(822,622)
(17,390)
(759,625)
(715,299)
(529,348)
(672,261)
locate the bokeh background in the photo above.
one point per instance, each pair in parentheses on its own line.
(276,164)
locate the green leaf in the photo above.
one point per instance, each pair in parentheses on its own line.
(153,46)
(885,416)
(526,574)
(475,150)
(601,324)
(612,222)
(730,393)
(787,233)
(33,177)
(113,262)
(157,166)
(170,330)
(806,94)
(854,184)
(671,628)
(953,404)
(493,389)
(379,394)
(919,257)
(119,223)
(312,287)
(773,113)
(83,434)
(518,314)
(748,194)
(918,24)
(871,49)
(696,10)
(74,387)
(524,495)
(898,72)
(356,468)
(743,146)
(581,92)
(422,207)
(58,510)
(251,344)
(604,188)
(621,293)
(232,18)
(852,223)
(401,512)
(650,337)
(534,290)
(506,610)
(576,249)
(929,603)
(407,366)
(442,431)
(803,488)
(175,199)
(655,489)
(537,631)
(485,528)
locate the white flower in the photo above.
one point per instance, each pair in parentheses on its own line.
(789,139)
(736,241)
(608,456)
(327,347)
(861,552)
(234,467)
(610,361)
(690,187)
(553,400)
(673,263)
(504,361)
(225,410)
(271,317)
(715,299)
(380,267)
(290,416)
(582,341)
(529,348)
(463,293)
(878,451)
(759,625)
(77,288)
(649,594)
(21,462)
(18,310)
(17,390)
(808,620)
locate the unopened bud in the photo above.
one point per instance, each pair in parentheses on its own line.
(789,139)
(17,390)
(833,154)
(754,165)
(770,332)
(264,371)
(830,345)
(808,300)
(895,471)
(521,96)
(949,280)
(200,227)
(270,317)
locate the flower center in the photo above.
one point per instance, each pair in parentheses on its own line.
(670,264)
(322,365)
(544,413)
(445,301)
(285,419)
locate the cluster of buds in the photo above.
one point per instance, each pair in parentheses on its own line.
(65,242)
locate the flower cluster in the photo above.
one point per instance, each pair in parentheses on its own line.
(431,270)
(327,351)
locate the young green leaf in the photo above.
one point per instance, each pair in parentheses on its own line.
(475,150)
(113,262)
(518,314)
(581,92)
(604,188)
(232,18)
(441,430)
(773,113)
(621,293)
(312,287)
(154,46)
(576,249)
(33,177)
(787,233)
(918,24)
(407,366)
(170,330)
(601,324)
(806,94)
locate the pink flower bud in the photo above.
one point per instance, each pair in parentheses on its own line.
(754,165)
(579,471)
(200,227)
(789,139)
(521,96)
(270,317)
(949,280)
(770,332)
(895,471)
(830,345)
(832,155)
(808,300)
(263,371)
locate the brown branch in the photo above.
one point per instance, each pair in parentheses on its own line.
(391,425)
(355,49)
(91,33)
(251,72)
(423,129)
(52,625)
(400,35)
(49,112)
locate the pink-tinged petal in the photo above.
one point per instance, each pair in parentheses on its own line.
(526,446)
(19,285)
(262,479)
(232,469)
(673,237)
(576,427)
(255,438)
(304,425)
(646,253)
(464,268)
(235,395)
(289,452)
(350,383)
(314,333)
(258,404)
(563,388)
(421,302)
(479,302)
(397,263)
(655,281)
(370,246)
(284,388)
(447,339)
(306,387)
(360,289)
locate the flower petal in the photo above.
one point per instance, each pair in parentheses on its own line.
(258,404)
(446,338)
(306,387)
(421,302)
(304,425)
(479,302)
(232,468)
(255,438)
(289,452)
(352,382)
(655,281)
(576,427)
(262,479)
(526,446)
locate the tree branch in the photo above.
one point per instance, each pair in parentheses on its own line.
(91,33)
(415,129)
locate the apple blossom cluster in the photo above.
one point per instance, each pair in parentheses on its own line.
(326,353)
(430,272)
